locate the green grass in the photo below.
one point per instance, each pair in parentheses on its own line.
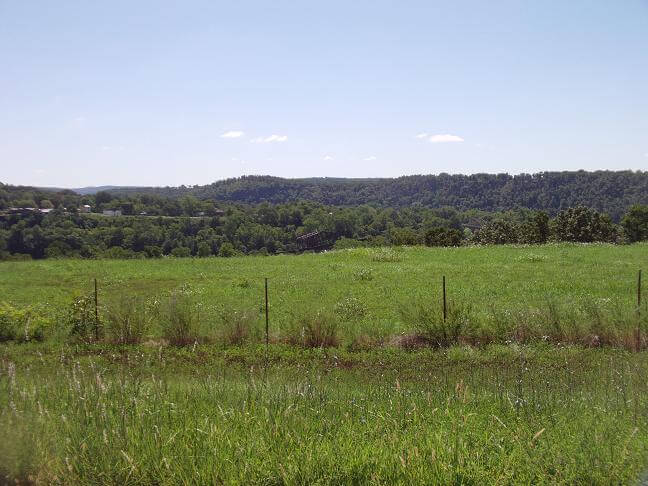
(489,409)
(514,284)
(503,415)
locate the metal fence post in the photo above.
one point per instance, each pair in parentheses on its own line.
(445,307)
(96,309)
(267,321)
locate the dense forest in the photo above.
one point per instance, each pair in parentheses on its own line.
(606,191)
(41,223)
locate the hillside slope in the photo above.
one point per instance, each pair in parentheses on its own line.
(607,191)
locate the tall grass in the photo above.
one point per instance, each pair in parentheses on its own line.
(429,323)
(127,321)
(240,327)
(179,319)
(317,329)
(552,417)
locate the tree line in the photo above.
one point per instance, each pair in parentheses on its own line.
(237,229)
(610,192)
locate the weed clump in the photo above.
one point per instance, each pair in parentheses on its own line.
(350,309)
(21,325)
(363,275)
(240,327)
(315,330)
(179,319)
(126,321)
(81,319)
(384,254)
(428,324)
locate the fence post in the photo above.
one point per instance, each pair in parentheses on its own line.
(639,311)
(445,309)
(96,309)
(267,325)
(639,293)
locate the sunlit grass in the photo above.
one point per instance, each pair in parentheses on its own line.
(499,416)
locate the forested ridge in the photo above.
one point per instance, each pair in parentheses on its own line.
(223,219)
(611,192)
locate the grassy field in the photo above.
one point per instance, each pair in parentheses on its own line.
(203,415)
(565,292)
(541,385)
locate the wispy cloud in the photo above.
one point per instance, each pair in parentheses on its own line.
(328,157)
(269,139)
(370,158)
(439,138)
(445,138)
(232,134)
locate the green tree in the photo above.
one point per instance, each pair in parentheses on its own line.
(498,232)
(226,250)
(181,251)
(635,223)
(204,249)
(585,225)
(441,236)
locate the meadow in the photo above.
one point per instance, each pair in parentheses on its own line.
(582,294)
(536,376)
(200,415)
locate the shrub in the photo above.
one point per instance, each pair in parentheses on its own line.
(179,319)
(22,325)
(126,321)
(181,252)
(80,318)
(443,236)
(427,322)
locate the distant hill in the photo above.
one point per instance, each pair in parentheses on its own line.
(83,191)
(608,191)
(95,189)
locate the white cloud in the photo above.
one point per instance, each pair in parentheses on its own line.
(232,134)
(646,154)
(370,158)
(422,135)
(271,138)
(328,157)
(445,138)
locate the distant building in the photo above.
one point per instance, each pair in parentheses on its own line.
(310,241)
(22,210)
(112,212)
(85,208)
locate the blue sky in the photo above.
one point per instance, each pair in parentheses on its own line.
(169,93)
